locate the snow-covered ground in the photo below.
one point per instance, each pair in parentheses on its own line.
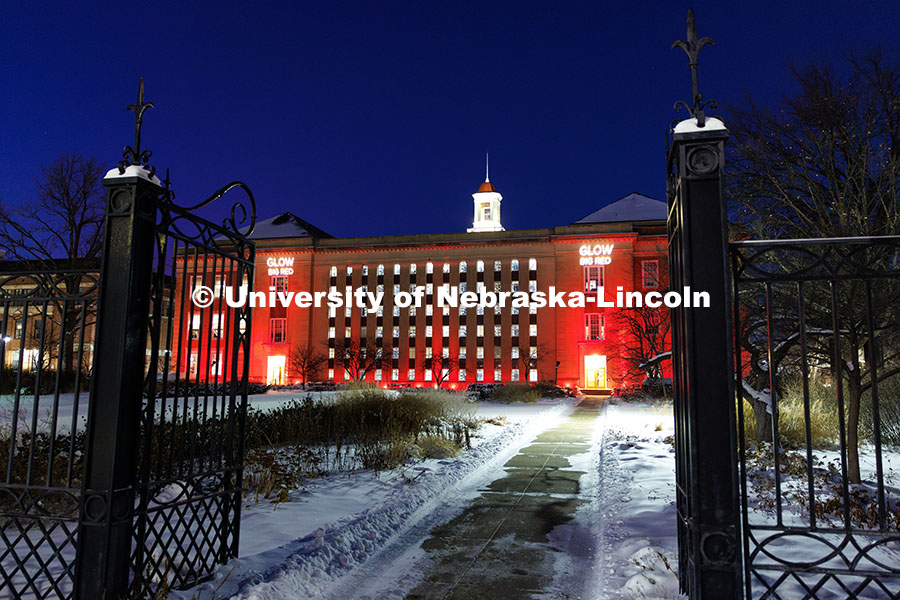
(335,525)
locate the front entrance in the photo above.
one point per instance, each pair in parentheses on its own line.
(595,371)
(275,370)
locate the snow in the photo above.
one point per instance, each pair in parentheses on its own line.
(133,171)
(764,397)
(633,207)
(304,547)
(285,225)
(690,125)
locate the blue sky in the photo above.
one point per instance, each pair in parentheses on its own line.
(373,118)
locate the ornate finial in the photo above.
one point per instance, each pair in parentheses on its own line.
(136,156)
(487,171)
(692,48)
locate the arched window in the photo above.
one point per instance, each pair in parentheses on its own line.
(334,271)
(396,269)
(480,266)
(429,268)
(412,269)
(380,270)
(349,270)
(446,267)
(532,264)
(514,265)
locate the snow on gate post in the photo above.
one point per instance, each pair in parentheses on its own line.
(709,544)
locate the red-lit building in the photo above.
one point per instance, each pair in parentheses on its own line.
(622,244)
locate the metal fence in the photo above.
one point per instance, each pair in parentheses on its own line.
(817,324)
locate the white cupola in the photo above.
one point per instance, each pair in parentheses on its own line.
(487,205)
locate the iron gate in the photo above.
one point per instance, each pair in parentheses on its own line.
(122,439)
(818,331)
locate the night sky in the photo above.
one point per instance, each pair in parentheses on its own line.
(373,117)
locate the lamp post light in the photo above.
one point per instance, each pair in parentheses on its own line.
(556,375)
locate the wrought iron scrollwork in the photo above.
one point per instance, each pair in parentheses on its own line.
(134,155)
(692,46)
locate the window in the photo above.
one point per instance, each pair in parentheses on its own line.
(480,266)
(497,375)
(365,270)
(593,278)
(532,330)
(331,332)
(349,270)
(377,374)
(412,311)
(479,352)
(498,352)
(650,273)
(462,375)
(348,312)
(428,352)
(395,352)
(445,331)
(497,288)
(412,331)
(532,264)
(411,375)
(429,310)
(395,374)
(480,330)
(462,331)
(428,331)
(462,287)
(279,282)
(514,265)
(532,286)
(347,332)
(462,311)
(515,286)
(446,267)
(515,331)
(479,375)
(412,269)
(346,375)
(497,266)
(276,330)
(17,333)
(532,375)
(498,331)
(396,311)
(331,353)
(396,269)
(594,326)
(445,352)
(396,332)
(462,352)
(514,374)
(333,271)
(487,212)
(462,266)
(330,373)
(380,270)
(427,374)
(379,332)
(396,289)
(429,267)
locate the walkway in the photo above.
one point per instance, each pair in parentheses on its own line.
(501,546)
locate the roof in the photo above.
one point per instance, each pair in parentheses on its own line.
(283,226)
(487,186)
(633,207)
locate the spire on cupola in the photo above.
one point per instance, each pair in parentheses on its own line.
(487,204)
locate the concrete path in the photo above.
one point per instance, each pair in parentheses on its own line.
(500,547)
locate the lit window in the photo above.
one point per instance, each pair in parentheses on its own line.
(429,288)
(462,331)
(380,288)
(479,309)
(515,310)
(396,289)
(429,310)
(412,352)
(411,375)
(396,332)
(497,265)
(377,374)
(427,375)
(380,311)
(532,330)
(462,375)
(412,311)
(497,310)
(532,286)
(395,352)
(497,287)
(395,374)
(380,270)
(532,264)
(514,375)
(498,331)
(446,267)
(396,269)
(532,375)
(279,282)
(594,326)
(479,330)
(349,270)
(515,331)
(331,332)
(429,268)
(462,351)
(498,352)
(514,265)
(346,375)
(412,269)
(487,212)
(462,311)
(497,375)
(365,270)
(331,374)
(515,286)
(444,373)
(462,266)
(332,311)
(348,311)
(363,311)
(480,266)
(412,288)
(412,331)
(428,331)
(515,352)
(593,278)
(650,273)
(396,311)
(479,375)
(479,352)
(445,309)
(347,332)
(331,353)
(379,332)
(17,333)
(333,271)
(428,352)
(445,352)
(532,309)
(462,287)
(445,331)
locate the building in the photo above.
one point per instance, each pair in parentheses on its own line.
(622,244)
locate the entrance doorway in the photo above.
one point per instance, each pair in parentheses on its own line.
(275,370)
(595,371)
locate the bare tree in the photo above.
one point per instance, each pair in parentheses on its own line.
(824,163)
(357,360)
(306,361)
(528,358)
(441,368)
(645,338)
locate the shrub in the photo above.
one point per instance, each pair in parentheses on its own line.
(515,392)
(435,446)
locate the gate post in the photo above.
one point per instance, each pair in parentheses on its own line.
(107,509)
(702,342)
